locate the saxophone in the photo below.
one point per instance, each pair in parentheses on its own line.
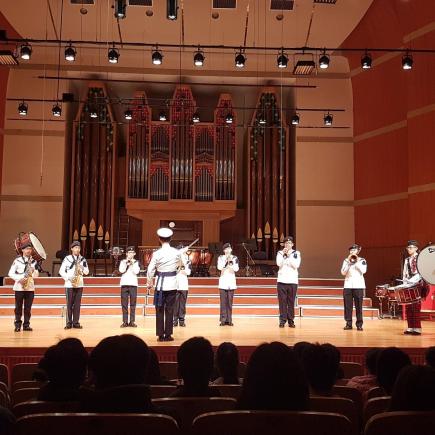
(78,274)
(28,278)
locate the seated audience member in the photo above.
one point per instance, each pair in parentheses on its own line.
(65,365)
(389,363)
(414,389)
(335,357)
(7,422)
(299,348)
(274,380)
(153,375)
(365,382)
(195,367)
(227,364)
(321,366)
(118,366)
(430,356)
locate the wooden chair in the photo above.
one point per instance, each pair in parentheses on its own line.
(351,369)
(169,369)
(271,422)
(26,384)
(37,407)
(228,390)
(374,406)
(159,391)
(188,408)
(349,393)
(23,372)
(24,395)
(401,423)
(4,374)
(96,424)
(375,392)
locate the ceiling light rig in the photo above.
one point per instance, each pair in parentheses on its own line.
(70,53)
(157,56)
(128,115)
(171,9)
(195,117)
(199,58)
(324,60)
(407,61)
(56,110)
(366,61)
(26,51)
(113,54)
(93,113)
(262,119)
(23,108)
(295,119)
(229,118)
(240,59)
(162,116)
(120,9)
(327,120)
(282,59)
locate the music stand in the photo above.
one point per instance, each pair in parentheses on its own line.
(249,244)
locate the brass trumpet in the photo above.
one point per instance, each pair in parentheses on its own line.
(353,258)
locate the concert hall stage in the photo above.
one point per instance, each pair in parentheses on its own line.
(246,333)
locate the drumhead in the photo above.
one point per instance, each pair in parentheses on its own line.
(426,264)
(37,246)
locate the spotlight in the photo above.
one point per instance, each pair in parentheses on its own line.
(25,51)
(295,119)
(113,54)
(195,117)
(128,115)
(262,120)
(366,61)
(56,110)
(171,9)
(327,119)
(157,57)
(324,60)
(407,61)
(162,116)
(93,113)
(229,118)
(70,53)
(199,58)
(240,59)
(120,9)
(23,108)
(282,59)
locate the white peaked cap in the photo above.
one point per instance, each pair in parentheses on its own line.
(165,233)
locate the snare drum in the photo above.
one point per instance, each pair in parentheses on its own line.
(406,295)
(381,291)
(38,251)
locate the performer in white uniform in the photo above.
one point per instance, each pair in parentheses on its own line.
(288,261)
(163,264)
(72,269)
(23,270)
(228,264)
(129,268)
(183,271)
(353,269)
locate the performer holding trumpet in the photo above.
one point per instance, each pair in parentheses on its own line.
(288,261)
(353,269)
(72,269)
(228,264)
(129,268)
(23,270)
(183,271)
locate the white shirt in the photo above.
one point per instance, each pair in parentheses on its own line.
(288,267)
(183,273)
(17,272)
(67,269)
(227,280)
(129,273)
(165,259)
(410,273)
(354,273)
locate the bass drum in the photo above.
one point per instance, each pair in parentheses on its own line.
(426,264)
(38,251)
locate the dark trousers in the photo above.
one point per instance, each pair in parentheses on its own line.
(180,305)
(23,298)
(128,292)
(413,315)
(165,314)
(353,296)
(226,299)
(286,301)
(73,303)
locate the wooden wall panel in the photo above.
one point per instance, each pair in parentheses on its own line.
(421,216)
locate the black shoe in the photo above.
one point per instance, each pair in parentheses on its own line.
(124,325)
(347,327)
(17,329)
(222,324)
(230,324)
(175,323)
(132,325)
(68,327)
(281,324)
(169,338)
(27,328)
(415,333)
(182,323)
(407,332)
(359,328)
(77,326)
(161,338)
(291,324)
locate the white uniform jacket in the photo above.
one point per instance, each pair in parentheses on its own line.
(17,272)
(129,273)
(288,267)
(164,263)
(227,280)
(184,271)
(68,267)
(410,273)
(354,273)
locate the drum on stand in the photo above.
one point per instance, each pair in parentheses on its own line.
(426,264)
(38,251)
(408,294)
(195,260)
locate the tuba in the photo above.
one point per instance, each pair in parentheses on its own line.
(28,275)
(78,274)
